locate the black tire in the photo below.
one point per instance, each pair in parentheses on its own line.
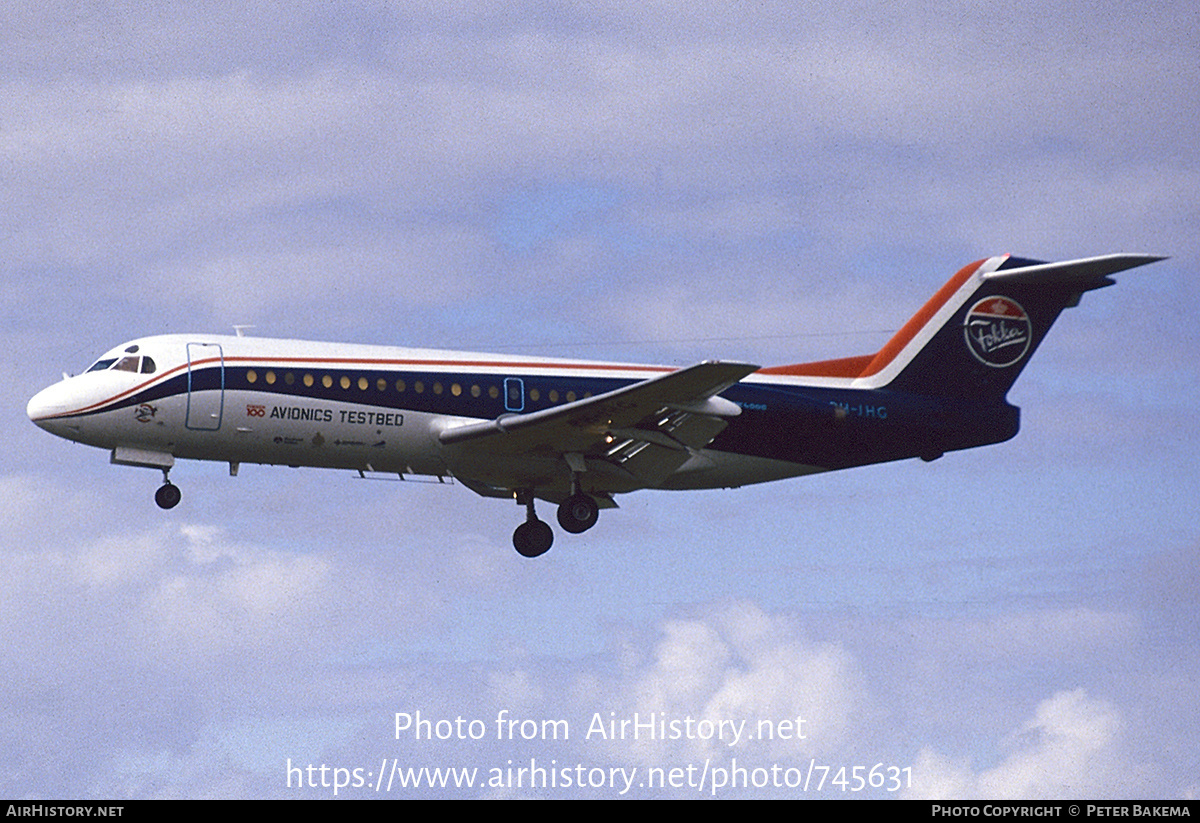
(167,496)
(533,538)
(578,513)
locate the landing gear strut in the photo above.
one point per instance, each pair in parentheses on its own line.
(168,494)
(533,537)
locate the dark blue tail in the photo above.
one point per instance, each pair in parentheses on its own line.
(951,366)
(972,339)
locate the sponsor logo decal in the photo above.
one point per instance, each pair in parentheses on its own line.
(144,413)
(998,331)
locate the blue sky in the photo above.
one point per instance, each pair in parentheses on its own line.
(664,183)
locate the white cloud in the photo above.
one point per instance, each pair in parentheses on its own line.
(184,599)
(732,666)
(1071,747)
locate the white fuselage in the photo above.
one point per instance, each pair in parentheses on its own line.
(303,403)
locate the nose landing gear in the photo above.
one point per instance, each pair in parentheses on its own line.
(168,494)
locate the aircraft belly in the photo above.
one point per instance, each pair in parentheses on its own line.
(549,474)
(712,469)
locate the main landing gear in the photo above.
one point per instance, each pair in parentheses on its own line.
(168,494)
(576,514)
(532,538)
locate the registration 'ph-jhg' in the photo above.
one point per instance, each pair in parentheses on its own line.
(859,410)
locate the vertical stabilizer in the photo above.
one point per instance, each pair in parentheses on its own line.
(974,336)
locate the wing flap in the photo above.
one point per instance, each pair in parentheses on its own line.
(653,454)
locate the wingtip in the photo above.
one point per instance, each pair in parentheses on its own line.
(1143,259)
(1132,261)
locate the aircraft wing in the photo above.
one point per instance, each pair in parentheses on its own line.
(645,431)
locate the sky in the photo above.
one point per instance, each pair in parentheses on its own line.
(660,182)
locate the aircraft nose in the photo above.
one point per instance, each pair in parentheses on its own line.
(47,403)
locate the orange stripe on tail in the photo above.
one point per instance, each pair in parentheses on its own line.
(866,365)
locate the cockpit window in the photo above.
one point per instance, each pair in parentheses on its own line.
(129,363)
(102,364)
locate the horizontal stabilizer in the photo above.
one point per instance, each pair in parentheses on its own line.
(1081,272)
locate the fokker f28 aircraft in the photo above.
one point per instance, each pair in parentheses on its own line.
(576,433)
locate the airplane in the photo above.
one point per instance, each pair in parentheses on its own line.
(576,433)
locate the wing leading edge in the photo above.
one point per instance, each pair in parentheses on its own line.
(636,436)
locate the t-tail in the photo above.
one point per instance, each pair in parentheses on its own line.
(954,362)
(973,338)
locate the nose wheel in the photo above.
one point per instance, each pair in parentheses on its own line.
(168,494)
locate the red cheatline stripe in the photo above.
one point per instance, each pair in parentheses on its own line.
(156,379)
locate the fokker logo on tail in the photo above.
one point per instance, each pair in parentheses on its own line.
(998,331)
